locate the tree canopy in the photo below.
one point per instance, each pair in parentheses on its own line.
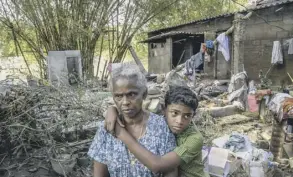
(33,27)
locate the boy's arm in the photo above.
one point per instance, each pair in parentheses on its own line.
(173,173)
(100,170)
(191,148)
(166,163)
(111,117)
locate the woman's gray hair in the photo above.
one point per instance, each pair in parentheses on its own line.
(127,70)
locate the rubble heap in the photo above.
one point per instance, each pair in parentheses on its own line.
(54,121)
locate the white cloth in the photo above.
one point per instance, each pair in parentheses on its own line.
(290,50)
(276,102)
(277,56)
(223,41)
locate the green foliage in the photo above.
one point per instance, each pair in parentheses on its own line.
(184,11)
(189,10)
(95,27)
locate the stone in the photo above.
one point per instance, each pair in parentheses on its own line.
(160,78)
(263,144)
(154,105)
(33,170)
(266,136)
(288,149)
(153,96)
(173,78)
(153,90)
(146,104)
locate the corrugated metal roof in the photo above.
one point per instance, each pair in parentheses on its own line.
(168,34)
(260,6)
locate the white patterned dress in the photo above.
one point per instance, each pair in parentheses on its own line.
(112,152)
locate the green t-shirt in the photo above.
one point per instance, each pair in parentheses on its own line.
(189,146)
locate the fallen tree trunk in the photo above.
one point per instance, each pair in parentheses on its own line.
(137,61)
(220,111)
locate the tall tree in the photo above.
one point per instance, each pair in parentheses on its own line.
(126,22)
(78,24)
(59,25)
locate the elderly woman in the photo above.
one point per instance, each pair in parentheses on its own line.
(111,156)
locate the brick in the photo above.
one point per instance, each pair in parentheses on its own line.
(277,16)
(267,43)
(256,42)
(282,34)
(247,43)
(260,19)
(154,105)
(288,18)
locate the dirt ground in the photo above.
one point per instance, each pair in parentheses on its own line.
(38,165)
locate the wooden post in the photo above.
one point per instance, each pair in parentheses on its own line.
(106,63)
(216,62)
(137,61)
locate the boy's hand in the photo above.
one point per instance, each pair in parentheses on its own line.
(119,131)
(111,119)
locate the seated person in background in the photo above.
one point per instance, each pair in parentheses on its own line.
(111,156)
(180,106)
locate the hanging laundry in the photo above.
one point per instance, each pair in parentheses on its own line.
(210,44)
(193,63)
(277,56)
(290,50)
(223,41)
(210,47)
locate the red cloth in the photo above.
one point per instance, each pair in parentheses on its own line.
(252,103)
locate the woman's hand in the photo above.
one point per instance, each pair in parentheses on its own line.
(111,119)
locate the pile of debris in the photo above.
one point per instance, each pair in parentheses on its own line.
(48,130)
(219,97)
(53,122)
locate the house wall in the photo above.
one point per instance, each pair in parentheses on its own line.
(259,38)
(263,28)
(160,58)
(58,67)
(157,65)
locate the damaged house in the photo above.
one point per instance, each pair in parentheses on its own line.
(258,38)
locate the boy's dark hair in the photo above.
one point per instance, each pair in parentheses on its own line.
(181,95)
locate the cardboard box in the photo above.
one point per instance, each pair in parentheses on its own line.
(221,162)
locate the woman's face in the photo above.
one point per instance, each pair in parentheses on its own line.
(128,97)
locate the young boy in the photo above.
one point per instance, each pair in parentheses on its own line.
(180,106)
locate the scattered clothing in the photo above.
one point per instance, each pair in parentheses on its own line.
(194,63)
(189,149)
(235,143)
(287,105)
(276,104)
(277,55)
(112,152)
(238,88)
(258,163)
(290,49)
(223,41)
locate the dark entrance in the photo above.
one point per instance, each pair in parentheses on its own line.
(184,47)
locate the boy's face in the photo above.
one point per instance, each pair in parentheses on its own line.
(178,117)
